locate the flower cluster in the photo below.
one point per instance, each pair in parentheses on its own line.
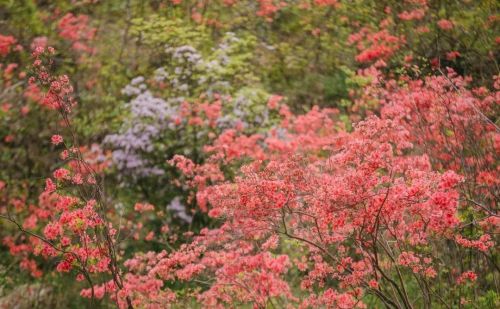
(6,43)
(76,29)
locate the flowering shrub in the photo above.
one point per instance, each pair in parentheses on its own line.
(343,190)
(76,30)
(181,109)
(284,154)
(6,43)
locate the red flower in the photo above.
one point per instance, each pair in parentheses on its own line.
(56,139)
(61,173)
(5,43)
(445,24)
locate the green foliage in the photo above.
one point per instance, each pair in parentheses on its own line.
(157,31)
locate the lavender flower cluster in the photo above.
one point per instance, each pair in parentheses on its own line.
(149,116)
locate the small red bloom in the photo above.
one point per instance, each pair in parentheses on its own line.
(61,173)
(445,24)
(56,139)
(49,186)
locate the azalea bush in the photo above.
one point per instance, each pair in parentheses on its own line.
(265,154)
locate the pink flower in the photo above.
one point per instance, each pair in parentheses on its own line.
(273,101)
(65,241)
(9,138)
(64,266)
(452,55)
(61,173)
(449,180)
(5,43)
(468,275)
(445,24)
(407,259)
(40,41)
(77,30)
(77,179)
(49,186)
(64,154)
(143,207)
(25,110)
(52,230)
(430,272)
(373,284)
(56,139)
(150,236)
(91,180)
(416,14)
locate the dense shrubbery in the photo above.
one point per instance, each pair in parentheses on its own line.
(311,154)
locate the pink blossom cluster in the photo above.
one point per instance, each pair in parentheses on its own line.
(76,29)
